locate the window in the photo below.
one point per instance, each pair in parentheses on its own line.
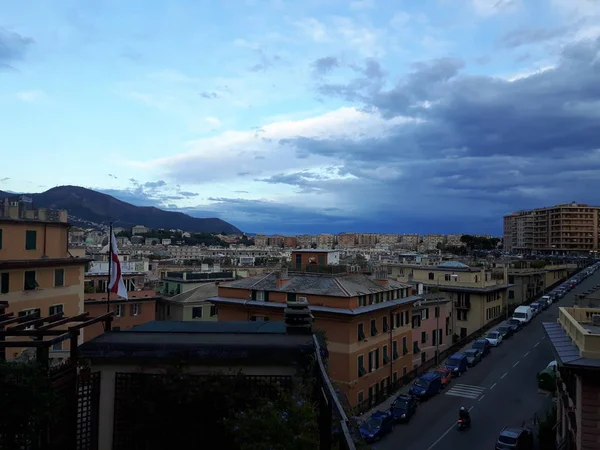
(416,348)
(404,347)
(431,276)
(373,360)
(360,397)
(361,366)
(395,377)
(58,346)
(511,294)
(425,314)
(386,356)
(4,286)
(259,319)
(30,240)
(385,324)
(373,327)
(120,310)
(197,312)
(361,332)
(404,371)
(423,337)
(395,350)
(406,321)
(136,309)
(55,309)
(511,279)
(423,357)
(214,310)
(28,312)
(447,277)
(260,296)
(59,277)
(437,311)
(29,281)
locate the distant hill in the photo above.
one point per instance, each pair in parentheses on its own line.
(96,207)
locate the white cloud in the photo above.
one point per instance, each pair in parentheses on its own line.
(242,156)
(314,29)
(30,96)
(213,121)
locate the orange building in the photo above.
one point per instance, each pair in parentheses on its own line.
(366,320)
(138,309)
(37,272)
(317,256)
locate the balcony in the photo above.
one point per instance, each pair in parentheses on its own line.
(577,323)
(462,305)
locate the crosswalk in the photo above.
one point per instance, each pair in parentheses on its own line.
(466,391)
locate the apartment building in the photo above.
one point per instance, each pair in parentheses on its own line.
(366,319)
(527,283)
(304,241)
(178,282)
(389,239)
(367,239)
(191,305)
(321,257)
(347,239)
(410,241)
(260,240)
(431,241)
(566,228)
(37,272)
(325,240)
(478,295)
(575,340)
(431,327)
(275,241)
(139,229)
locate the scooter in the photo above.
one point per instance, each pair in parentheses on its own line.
(463,424)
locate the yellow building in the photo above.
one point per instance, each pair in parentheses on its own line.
(478,295)
(527,283)
(37,272)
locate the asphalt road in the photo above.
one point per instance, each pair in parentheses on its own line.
(500,391)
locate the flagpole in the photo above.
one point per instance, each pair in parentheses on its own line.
(110,250)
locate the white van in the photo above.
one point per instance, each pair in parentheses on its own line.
(523,314)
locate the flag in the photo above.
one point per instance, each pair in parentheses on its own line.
(116,283)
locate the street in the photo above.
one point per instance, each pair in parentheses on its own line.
(500,391)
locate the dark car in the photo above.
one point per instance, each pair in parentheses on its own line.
(483,345)
(378,425)
(457,364)
(506,331)
(515,324)
(473,356)
(403,408)
(426,386)
(513,438)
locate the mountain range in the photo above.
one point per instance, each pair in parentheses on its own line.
(92,206)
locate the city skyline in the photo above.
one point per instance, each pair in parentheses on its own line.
(440,117)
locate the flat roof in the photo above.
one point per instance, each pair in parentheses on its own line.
(33,221)
(314,250)
(42,262)
(566,351)
(214,342)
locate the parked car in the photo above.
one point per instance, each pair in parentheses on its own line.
(457,364)
(403,408)
(483,346)
(546,300)
(426,386)
(536,308)
(378,425)
(506,331)
(513,438)
(473,356)
(494,338)
(445,375)
(514,324)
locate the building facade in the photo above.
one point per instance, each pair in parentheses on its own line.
(566,228)
(575,340)
(367,321)
(478,295)
(37,272)
(321,257)
(431,327)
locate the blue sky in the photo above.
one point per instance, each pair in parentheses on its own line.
(312,116)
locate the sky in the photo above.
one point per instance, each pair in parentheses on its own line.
(281,116)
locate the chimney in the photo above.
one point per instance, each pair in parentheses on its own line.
(62,216)
(381,277)
(13,210)
(281,277)
(297,317)
(41,214)
(185,275)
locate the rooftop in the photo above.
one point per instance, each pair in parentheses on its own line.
(347,285)
(314,250)
(198,294)
(575,338)
(453,265)
(204,342)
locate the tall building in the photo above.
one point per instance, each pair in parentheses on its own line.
(37,272)
(571,227)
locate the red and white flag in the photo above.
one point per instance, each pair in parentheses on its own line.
(116,283)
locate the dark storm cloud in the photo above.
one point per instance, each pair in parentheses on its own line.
(12,47)
(502,144)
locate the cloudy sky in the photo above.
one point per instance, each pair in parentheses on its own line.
(307,116)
